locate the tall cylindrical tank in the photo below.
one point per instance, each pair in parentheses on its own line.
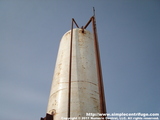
(84,91)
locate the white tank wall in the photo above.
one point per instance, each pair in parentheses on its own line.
(84,79)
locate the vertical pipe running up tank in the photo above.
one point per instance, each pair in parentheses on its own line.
(85,92)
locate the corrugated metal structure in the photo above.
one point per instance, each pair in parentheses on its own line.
(77,86)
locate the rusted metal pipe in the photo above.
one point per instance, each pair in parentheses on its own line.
(75,23)
(87,23)
(100,79)
(70,70)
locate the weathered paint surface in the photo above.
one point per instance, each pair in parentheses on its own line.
(84,78)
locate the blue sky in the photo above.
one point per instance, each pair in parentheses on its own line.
(129,40)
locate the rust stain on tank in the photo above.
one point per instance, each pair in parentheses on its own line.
(59,65)
(93,98)
(91,94)
(67,33)
(96,92)
(83,67)
(85,82)
(55,103)
(82,31)
(58,73)
(81,42)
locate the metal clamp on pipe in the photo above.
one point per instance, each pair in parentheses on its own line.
(82,29)
(49,116)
